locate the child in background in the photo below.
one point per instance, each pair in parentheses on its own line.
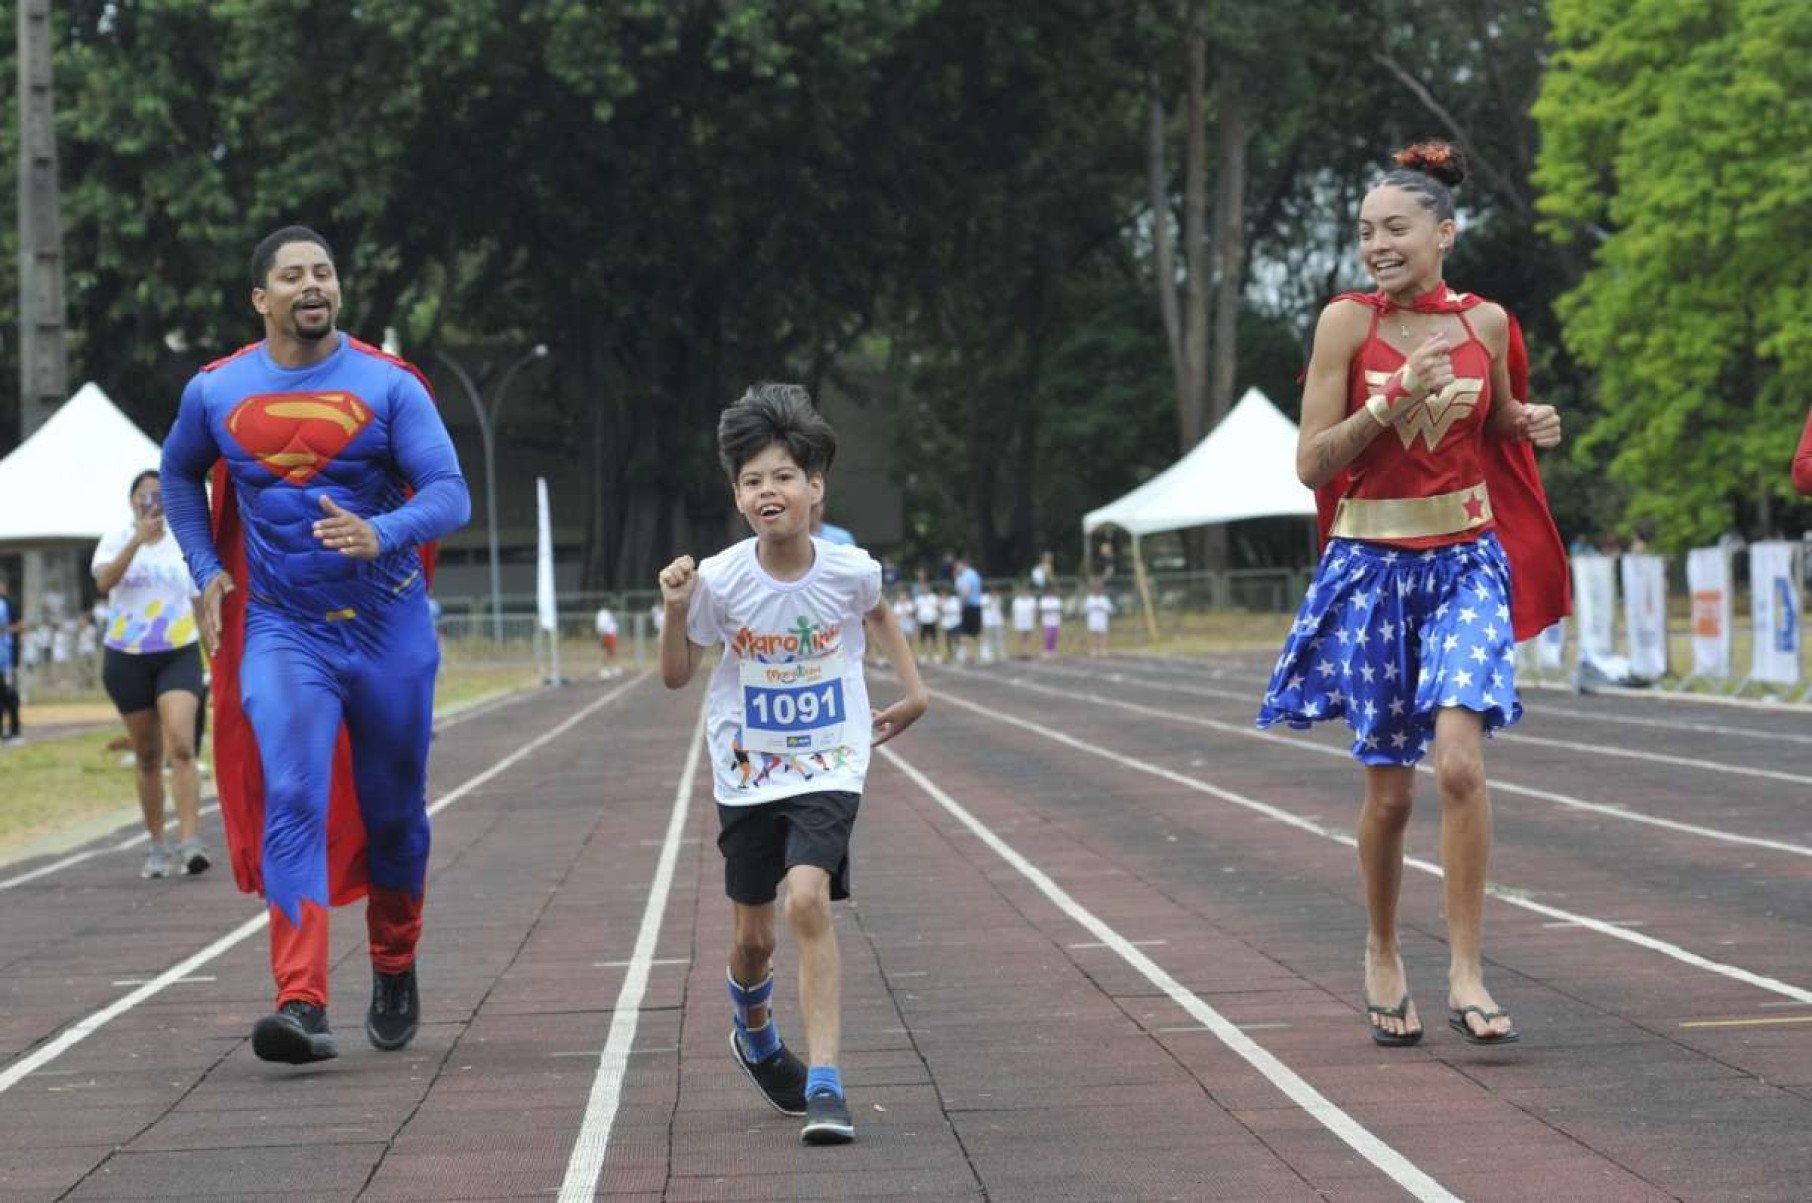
(1050,613)
(1097,608)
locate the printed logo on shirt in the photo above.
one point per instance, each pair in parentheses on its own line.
(296,435)
(805,638)
(1437,415)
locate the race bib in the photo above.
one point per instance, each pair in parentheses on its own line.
(793,708)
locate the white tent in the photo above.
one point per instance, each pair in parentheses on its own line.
(68,481)
(1245,468)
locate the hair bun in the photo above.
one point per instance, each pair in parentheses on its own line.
(1442,160)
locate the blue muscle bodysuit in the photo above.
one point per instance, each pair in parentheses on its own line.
(328,639)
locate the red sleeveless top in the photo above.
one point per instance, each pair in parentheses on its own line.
(1439,448)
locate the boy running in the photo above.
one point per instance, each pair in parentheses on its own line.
(789,731)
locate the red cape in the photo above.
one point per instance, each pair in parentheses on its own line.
(1541,587)
(238,772)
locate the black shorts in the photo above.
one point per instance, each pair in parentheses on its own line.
(971,621)
(761,842)
(136,681)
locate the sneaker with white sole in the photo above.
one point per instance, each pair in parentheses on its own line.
(827,1119)
(192,857)
(158,863)
(780,1076)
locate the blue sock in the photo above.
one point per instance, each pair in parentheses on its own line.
(823,1077)
(758,1044)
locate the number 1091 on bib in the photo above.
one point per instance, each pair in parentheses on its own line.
(793,708)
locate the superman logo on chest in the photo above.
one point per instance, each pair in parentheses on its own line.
(297,435)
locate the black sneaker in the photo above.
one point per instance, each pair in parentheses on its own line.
(827,1120)
(779,1076)
(295,1035)
(396,1010)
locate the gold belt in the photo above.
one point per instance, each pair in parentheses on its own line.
(1412,517)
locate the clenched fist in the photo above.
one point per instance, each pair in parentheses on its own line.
(678,579)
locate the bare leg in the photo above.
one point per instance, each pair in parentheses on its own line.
(148,753)
(808,916)
(752,951)
(176,713)
(1389,792)
(1459,763)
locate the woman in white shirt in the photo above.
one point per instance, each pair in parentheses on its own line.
(152,670)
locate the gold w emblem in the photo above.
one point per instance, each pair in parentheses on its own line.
(1437,415)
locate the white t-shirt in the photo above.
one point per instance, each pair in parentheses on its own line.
(904,613)
(951,607)
(1097,608)
(606,622)
(150,609)
(925,609)
(990,611)
(1025,612)
(762,621)
(1051,610)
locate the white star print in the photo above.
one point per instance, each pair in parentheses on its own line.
(1449,643)
(1398,740)
(1326,667)
(1295,682)
(1462,679)
(1478,655)
(1396,707)
(1388,630)
(1390,671)
(1468,614)
(1367,671)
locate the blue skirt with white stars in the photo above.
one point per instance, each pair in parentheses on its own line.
(1386,637)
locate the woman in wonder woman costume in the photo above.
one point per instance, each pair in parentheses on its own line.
(1415,436)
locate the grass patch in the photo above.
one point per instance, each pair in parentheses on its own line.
(57,784)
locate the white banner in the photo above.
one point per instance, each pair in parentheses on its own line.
(1774,610)
(544,562)
(1645,614)
(1708,581)
(1595,607)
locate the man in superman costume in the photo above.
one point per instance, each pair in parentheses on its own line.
(333,476)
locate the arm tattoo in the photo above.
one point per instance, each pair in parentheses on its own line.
(1342,445)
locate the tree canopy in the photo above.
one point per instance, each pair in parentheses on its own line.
(948,208)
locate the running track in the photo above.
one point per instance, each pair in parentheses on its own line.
(1105,946)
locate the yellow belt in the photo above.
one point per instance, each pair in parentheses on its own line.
(1412,517)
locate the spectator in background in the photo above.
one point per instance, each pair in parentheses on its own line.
(830,532)
(1106,560)
(993,622)
(10,626)
(1025,617)
(1044,572)
(1097,609)
(152,671)
(950,618)
(606,626)
(925,613)
(969,593)
(1050,613)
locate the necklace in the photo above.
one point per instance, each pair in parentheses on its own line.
(1402,326)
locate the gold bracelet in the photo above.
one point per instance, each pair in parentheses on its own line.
(1378,408)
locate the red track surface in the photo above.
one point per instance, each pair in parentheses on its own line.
(995,1047)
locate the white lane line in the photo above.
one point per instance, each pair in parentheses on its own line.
(454,718)
(1397,1167)
(587,1160)
(1506,894)
(1513,735)
(1498,784)
(1153,660)
(80,1031)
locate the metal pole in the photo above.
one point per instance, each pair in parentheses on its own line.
(487,429)
(490,488)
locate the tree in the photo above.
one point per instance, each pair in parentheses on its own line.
(1674,143)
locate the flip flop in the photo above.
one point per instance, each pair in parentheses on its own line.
(1393,1039)
(1456,1019)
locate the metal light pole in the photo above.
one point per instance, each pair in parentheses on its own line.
(487,428)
